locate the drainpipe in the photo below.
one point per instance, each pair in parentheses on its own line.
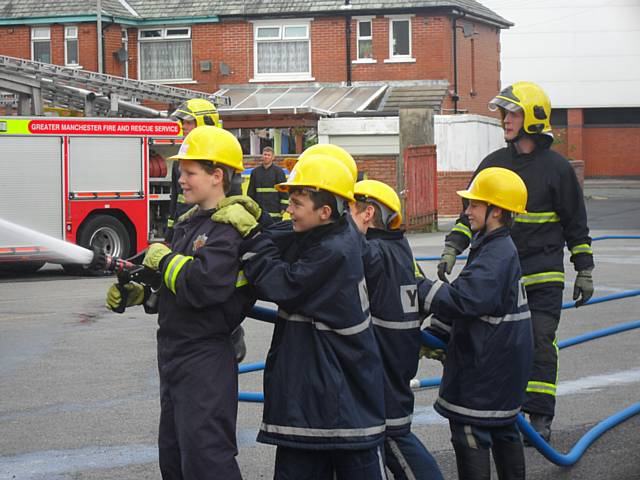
(99,32)
(347,34)
(455,96)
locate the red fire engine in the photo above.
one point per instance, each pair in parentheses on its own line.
(90,181)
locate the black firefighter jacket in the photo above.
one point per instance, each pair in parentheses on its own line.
(490,349)
(556,216)
(323,380)
(200,301)
(393,297)
(261,189)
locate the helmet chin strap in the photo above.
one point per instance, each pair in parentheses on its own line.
(486,217)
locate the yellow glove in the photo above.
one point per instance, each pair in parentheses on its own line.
(433,353)
(238,217)
(155,253)
(135,295)
(247,202)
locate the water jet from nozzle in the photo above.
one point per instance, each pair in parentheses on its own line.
(12,234)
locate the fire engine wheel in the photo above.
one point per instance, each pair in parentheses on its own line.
(105,232)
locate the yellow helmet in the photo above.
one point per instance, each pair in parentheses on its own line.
(532,100)
(202,111)
(500,187)
(213,144)
(336,152)
(384,194)
(320,172)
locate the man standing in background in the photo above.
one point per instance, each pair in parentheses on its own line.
(261,186)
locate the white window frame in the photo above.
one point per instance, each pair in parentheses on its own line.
(400,58)
(124,38)
(165,35)
(41,39)
(67,36)
(359,59)
(282,24)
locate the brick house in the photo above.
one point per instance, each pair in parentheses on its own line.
(205,45)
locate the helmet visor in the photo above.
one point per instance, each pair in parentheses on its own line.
(508,105)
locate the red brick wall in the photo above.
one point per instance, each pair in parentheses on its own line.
(449,183)
(16,41)
(612,151)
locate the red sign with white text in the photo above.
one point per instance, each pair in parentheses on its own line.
(98,127)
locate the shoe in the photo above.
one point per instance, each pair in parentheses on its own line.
(542,425)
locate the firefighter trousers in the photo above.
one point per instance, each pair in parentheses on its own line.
(545,305)
(199,405)
(300,464)
(409,459)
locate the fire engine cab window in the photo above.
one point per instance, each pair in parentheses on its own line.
(165,54)
(41,44)
(282,51)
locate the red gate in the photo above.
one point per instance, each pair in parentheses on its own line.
(420,188)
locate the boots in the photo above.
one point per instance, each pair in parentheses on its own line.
(473,463)
(542,425)
(509,459)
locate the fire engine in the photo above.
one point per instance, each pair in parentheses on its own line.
(90,181)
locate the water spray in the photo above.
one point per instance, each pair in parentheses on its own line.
(92,259)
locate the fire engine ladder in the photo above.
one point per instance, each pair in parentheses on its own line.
(36,84)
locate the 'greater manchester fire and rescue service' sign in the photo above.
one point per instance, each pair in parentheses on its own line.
(97,127)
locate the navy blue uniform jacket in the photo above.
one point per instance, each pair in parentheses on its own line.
(393,296)
(323,380)
(490,349)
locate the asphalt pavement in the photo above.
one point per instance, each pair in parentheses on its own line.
(79,387)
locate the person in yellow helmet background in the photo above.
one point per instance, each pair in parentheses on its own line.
(556,216)
(200,303)
(490,340)
(323,380)
(391,275)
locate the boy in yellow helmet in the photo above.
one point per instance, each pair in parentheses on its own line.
(323,381)
(390,272)
(490,349)
(200,304)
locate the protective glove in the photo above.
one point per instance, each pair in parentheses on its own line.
(155,253)
(238,217)
(583,286)
(433,353)
(135,295)
(248,203)
(447,261)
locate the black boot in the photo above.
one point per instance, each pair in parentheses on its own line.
(509,459)
(473,463)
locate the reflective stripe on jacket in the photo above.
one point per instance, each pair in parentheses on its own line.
(323,380)
(490,348)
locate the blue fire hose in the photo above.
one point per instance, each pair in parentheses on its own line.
(565,460)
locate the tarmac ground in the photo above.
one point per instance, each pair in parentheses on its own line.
(79,385)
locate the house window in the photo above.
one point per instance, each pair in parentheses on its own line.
(400,39)
(125,44)
(365,40)
(165,54)
(282,51)
(71,46)
(41,44)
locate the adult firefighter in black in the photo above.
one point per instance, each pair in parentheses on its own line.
(323,379)
(262,183)
(490,349)
(201,301)
(555,216)
(390,272)
(191,114)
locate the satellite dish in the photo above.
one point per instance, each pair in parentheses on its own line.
(122,55)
